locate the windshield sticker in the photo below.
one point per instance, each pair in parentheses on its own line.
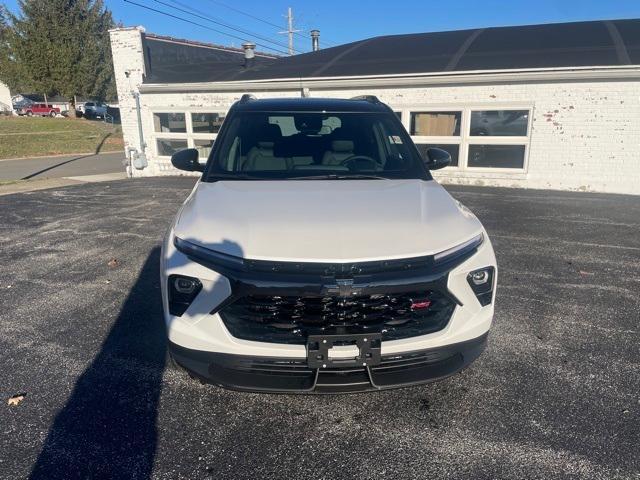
(395,139)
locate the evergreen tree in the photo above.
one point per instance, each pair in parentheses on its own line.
(9,71)
(62,47)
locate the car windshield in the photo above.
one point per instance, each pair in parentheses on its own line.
(309,146)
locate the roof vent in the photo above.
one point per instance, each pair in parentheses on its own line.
(315,40)
(249,53)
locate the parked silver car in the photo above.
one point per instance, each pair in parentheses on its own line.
(94,110)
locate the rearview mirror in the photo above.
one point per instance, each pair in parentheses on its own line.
(437,158)
(187,160)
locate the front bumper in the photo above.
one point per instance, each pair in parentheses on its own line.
(293,375)
(202,343)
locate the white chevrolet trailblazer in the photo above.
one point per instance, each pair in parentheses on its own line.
(317,254)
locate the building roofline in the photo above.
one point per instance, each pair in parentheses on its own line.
(627,72)
(212,46)
(125,29)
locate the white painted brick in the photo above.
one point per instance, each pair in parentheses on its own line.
(591,141)
(5,96)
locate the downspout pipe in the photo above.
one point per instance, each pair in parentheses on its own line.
(140,158)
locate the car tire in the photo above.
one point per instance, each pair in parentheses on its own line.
(52,114)
(29,113)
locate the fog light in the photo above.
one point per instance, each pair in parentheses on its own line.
(481,282)
(480,277)
(185,286)
(182,291)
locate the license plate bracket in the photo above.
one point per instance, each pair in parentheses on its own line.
(368,344)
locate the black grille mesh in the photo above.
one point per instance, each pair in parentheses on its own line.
(289,319)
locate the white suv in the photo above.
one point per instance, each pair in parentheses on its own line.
(317,254)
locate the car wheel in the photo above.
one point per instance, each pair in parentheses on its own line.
(29,114)
(52,113)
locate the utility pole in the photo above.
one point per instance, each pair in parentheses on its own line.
(290,30)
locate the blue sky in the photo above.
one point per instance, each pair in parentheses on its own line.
(345,21)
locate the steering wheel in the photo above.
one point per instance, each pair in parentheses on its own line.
(351,161)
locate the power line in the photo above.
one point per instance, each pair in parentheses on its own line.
(246,14)
(202,15)
(241,12)
(202,26)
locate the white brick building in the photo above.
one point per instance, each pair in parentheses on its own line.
(530,112)
(5,98)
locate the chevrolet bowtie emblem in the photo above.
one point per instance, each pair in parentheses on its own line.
(342,288)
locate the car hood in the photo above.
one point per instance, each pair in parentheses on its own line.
(324,220)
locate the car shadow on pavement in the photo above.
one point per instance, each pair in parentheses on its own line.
(107,429)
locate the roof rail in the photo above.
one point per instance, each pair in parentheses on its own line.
(247,97)
(367,98)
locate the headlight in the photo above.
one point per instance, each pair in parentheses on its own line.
(206,255)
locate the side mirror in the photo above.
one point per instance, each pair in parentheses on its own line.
(187,160)
(437,158)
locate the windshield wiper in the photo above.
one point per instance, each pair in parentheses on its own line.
(334,176)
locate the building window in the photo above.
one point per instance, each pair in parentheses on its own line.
(436,124)
(476,138)
(169,122)
(167,147)
(204,148)
(499,123)
(175,131)
(496,156)
(206,122)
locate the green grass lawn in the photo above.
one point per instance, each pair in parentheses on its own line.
(36,136)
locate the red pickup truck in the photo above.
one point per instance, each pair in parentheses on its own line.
(42,109)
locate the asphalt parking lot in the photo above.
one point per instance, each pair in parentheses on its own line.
(556,394)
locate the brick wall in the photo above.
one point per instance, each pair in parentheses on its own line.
(584,135)
(5,97)
(128,66)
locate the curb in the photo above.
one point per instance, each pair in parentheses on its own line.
(39,157)
(24,186)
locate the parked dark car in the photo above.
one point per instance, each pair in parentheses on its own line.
(94,110)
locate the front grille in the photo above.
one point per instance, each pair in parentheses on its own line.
(289,319)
